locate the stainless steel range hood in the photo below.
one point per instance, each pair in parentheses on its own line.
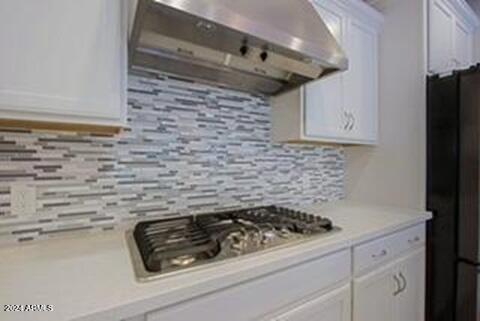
(264,46)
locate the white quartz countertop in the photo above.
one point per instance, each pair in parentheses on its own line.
(91,277)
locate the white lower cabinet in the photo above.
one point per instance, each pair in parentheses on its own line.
(372,296)
(394,292)
(385,281)
(264,298)
(333,306)
(410,302)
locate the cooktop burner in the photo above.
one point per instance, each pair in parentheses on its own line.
(168,245)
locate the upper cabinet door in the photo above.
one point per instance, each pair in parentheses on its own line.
(441,23)
(451,28)
(361,82)
(324,97)
(341,107)
(463,45)
(63,61)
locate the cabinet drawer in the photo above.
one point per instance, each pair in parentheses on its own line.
(387,248)
(332,306)
(254,299)
(411,238)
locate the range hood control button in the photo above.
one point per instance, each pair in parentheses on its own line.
(206,26)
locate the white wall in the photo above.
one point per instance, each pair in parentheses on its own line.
(476,48)
(393,173)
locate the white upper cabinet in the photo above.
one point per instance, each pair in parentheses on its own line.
(361,82)
(463,46)
(63,61)
(342,107)
(440,37)
(451,25)
(324,99)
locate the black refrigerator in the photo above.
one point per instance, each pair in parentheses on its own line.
(453,156)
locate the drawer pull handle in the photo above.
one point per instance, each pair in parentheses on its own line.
(379,255)
(414,240)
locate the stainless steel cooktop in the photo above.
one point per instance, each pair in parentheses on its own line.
(166,246)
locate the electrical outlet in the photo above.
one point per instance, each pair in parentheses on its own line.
(23,199)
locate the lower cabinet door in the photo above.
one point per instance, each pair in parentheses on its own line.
(249,301)
(410,300)
(374,295)
(393,293)
(333,306)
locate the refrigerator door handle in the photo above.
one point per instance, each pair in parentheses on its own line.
(470,262)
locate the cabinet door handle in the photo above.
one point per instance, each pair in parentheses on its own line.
(404,280)
(347,120)
(353,121)
(379,255)
(398,286)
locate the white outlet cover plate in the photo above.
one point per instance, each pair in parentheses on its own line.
(23,199)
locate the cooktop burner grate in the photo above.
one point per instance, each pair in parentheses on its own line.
(172,244)
(182,239)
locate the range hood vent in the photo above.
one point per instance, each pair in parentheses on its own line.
(262,46)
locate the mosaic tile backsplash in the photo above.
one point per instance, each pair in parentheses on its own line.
(189,148)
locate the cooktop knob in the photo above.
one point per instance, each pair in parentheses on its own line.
(264,55)
(244,50)
(268,237)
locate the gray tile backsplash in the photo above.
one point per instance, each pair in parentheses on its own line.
(189,148)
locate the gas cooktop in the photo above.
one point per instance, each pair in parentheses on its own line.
(165,246)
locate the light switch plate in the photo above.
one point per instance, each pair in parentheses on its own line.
(23,199)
